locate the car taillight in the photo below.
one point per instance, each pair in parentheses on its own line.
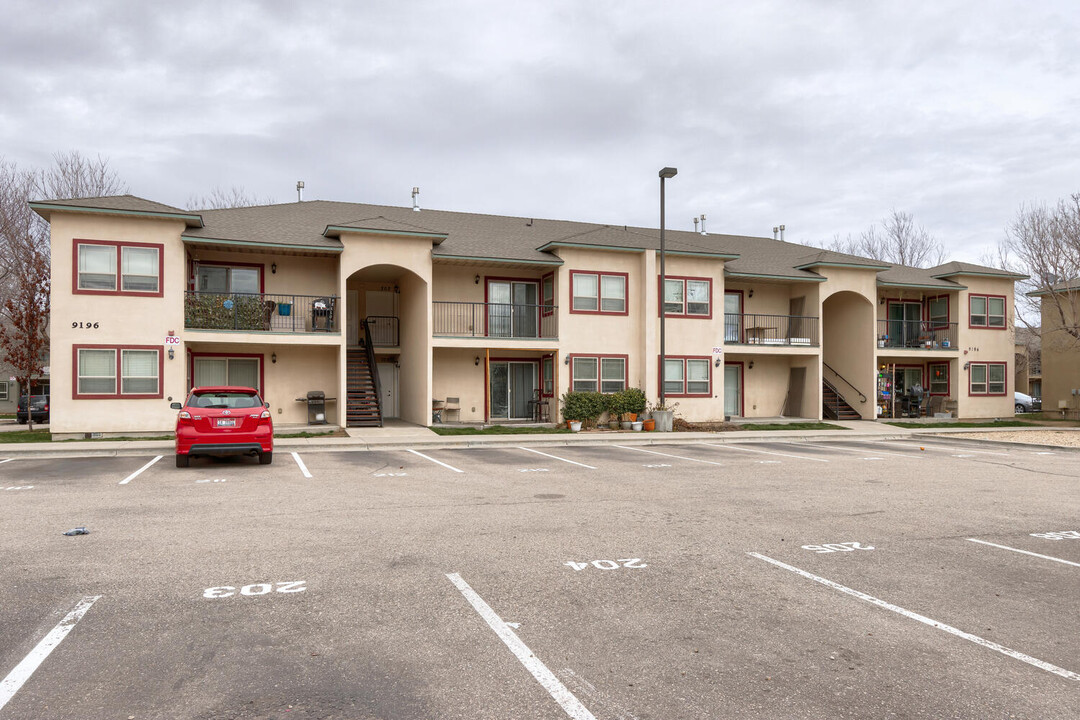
(265,415)
(184,417)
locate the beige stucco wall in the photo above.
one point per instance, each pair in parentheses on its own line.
(122,320)
(984,345)
(413,257)
(848,333)
(455,374)
(1060,355)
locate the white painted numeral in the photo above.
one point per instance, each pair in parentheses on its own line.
(211,480)
(631,563)
(533,470)
(391,474)
(20,487)
(1059,535)
(837,547)
(657,465)
(255,589)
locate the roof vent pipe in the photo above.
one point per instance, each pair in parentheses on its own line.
(299,191)
(415,204)
(703,224)
(781,233)
(695,224)
(775,230)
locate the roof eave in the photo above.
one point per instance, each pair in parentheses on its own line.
(440,256)
(920,286)
(860,266)
(998,275)
(42,208)
(335,231)
(767,276)
(194,239)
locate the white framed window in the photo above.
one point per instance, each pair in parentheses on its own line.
(4,390)
(687,297)
(687,377)
(939,311)
(939,378)
(97,267)
(235,371)
(585,374)
(612,374)
(698,297)
(114,372)
(117,268)
(611,369)
(139,268)
(987,378)
(229,279)
(138,372)
(986,311)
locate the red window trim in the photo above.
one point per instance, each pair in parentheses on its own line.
(742,384)
(487,375)
(76,290)
(948,311)
(260,357)
(988,393)
(930,378)
(118,395)
(686,302)
(230,264)
(988,326)
(742,313)
(554,376)
(684,358)
(547,308)
(599,371)
(600,292)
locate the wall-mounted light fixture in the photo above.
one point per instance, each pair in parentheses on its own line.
(716,363)
(566,360)
(397,363)
(967,365)
(881,301)
(172,353)
(273,357)
(476,280)
(273,268)
(751,293)
(476,362)
(750,366)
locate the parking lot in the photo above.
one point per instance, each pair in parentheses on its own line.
(893,579)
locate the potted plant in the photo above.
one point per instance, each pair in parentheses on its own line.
(613,405)
(648,424)
(594,404)
(574,409)
(663,413)
(634,404)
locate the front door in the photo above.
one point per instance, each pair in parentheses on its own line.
(381,313)
(905,320)
(388,380)
(513,386)
(733,390)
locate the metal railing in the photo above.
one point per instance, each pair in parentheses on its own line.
(495,320)
(916,335)
(787,330)
(862,395)
(383,330)
(260,312)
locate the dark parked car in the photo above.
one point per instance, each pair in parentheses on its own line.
(39,409)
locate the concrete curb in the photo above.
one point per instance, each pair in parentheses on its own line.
(1004,443)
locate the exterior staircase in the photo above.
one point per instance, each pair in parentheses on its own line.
(835,407)
(362,407)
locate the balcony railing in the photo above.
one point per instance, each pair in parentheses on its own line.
(384,330)
(495,320)
(260,312)
(786,330)
(916,335)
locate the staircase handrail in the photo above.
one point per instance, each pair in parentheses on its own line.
(862,397)
(369,351)
(836,399)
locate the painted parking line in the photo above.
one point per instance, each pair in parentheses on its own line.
(950,448)
(871,451)
(22,672)
(4,461)
(1041,664)
(556,457)
(300,463)
(680,457)
(566,699)
(135,474)
(437,462)
(766,452)
(1025,552)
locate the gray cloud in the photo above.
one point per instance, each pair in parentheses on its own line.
(820,115)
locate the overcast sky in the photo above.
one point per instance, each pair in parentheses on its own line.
(819,115)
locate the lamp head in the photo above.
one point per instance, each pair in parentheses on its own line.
(669,172)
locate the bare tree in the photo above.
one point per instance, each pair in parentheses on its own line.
(24,251)
(1043,242)
(899,241)
(219,199)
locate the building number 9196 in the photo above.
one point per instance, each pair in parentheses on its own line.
(84,326)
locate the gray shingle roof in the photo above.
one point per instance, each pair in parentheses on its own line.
(963,268)
(122,204)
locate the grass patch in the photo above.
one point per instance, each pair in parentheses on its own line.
(792,426)
(26,436)
(992,424)
(499,430)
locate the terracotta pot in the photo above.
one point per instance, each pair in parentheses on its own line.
(649,425)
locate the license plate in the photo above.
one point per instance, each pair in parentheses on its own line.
(226,422)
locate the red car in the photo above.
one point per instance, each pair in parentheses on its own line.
(224,420)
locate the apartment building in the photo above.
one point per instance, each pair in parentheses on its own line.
(394,312)
(1059,347)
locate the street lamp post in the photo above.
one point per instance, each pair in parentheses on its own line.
(666,173)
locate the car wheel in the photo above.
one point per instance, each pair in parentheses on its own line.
(182,460)
(266,458)
(1020,409)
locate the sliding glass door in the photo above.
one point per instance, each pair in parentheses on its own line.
(513,308)
(513,385)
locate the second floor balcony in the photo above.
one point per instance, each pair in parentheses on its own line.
(260,312)
(495,320)
(784,330)
(916,335)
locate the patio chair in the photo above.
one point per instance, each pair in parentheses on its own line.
(452,404)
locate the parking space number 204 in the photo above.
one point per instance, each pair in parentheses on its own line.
(631,563)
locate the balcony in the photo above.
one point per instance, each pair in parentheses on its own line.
(495,320)
(916,335)
(783,330)
(260,312)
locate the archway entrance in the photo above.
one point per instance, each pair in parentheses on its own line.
(847,353)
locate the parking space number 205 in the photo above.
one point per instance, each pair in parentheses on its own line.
(255,589)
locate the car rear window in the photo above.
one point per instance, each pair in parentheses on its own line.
(225,400)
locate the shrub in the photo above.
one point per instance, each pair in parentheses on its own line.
(583,406)
(633,401)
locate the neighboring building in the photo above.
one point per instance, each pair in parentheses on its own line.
(1060,346)
(1028,371)
(492,318)
(10,390)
